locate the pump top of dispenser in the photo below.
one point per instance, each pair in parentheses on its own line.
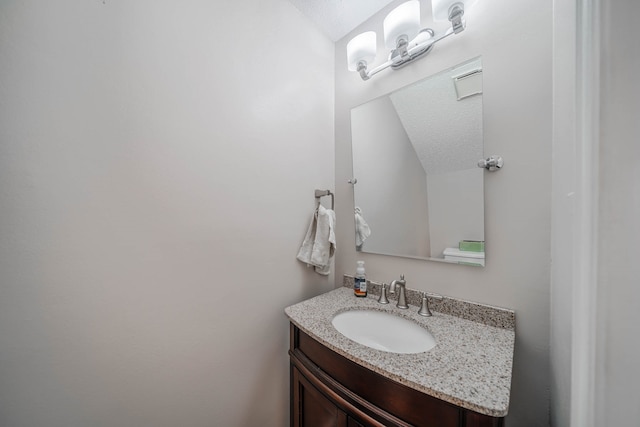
(360,267)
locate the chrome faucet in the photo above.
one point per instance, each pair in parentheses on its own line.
(402,298)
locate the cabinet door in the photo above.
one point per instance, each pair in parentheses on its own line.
(351,422)
(313,409)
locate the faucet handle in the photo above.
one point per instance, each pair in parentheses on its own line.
(383,295)
(424,308)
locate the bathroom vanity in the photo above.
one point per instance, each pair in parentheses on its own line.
(464,381)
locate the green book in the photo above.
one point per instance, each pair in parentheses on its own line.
(471,245)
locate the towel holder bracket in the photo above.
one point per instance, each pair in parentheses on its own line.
(322,193)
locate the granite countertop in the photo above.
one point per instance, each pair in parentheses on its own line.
(470,366)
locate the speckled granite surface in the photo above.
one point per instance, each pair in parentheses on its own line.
(487,314)
(470,366)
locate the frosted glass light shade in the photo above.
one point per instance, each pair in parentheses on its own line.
(361,48)
(441,8)
(403,20)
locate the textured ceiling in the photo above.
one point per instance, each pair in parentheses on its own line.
(446,133)
(336,18)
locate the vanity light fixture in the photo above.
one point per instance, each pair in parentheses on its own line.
(403,36)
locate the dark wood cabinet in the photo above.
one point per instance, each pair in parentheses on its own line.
(329,390)
(353,423)
(314,409)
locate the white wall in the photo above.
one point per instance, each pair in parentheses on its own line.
(387,194)
(564,214)
(595,313)
(157,167)
(514,40)
(618,350)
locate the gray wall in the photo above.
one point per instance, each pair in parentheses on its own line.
(157,168)
(514,40)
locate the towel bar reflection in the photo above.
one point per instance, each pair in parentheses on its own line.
(322,193)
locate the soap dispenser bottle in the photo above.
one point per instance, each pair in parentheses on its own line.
(360,281)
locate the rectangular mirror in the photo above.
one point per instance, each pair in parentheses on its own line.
(419,192)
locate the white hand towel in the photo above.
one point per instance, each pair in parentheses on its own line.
(362,228)
(319,244)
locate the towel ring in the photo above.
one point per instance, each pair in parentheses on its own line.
(322,193)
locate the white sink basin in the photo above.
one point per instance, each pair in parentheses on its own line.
(383,331)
